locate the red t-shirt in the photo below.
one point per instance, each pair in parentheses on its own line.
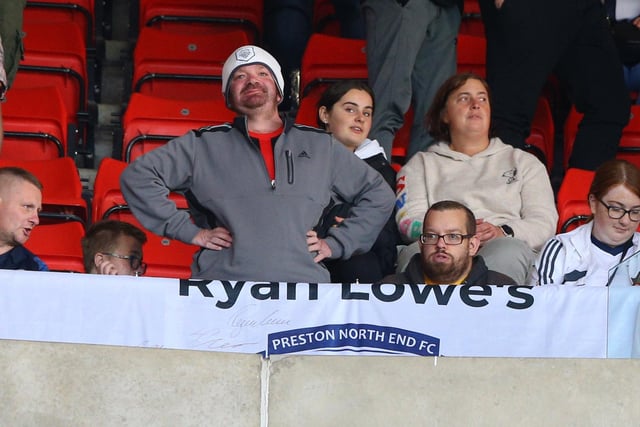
(267,141)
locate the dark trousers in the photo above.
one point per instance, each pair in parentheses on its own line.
(288,24)
(527,41)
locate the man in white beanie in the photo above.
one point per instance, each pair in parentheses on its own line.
(257,187)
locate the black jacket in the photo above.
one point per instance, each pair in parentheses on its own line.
(479,274)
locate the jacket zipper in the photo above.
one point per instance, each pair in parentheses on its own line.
(289,166)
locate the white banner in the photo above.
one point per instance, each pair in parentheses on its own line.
(624,322)
(277,318)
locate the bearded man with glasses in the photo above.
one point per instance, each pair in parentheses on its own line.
(448,248)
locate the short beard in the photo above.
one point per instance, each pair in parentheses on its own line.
(446,273)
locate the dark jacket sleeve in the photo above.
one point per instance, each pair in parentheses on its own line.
(385,246)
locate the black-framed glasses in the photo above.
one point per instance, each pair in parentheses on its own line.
(449,238)
(616,212)
(134,261)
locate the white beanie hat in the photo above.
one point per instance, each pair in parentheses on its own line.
(247,55)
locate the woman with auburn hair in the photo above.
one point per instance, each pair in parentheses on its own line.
(589,254)
(507,189)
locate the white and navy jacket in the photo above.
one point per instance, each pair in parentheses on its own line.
(573,259)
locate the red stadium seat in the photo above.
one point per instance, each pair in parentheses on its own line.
(82,14)
(61,12)
(308,110)
(107,197)
(329,58)
(106,188)
(203,16)
(62,189)
(472,54)
(150,122)
(573,207)
(402,139)
(471,23)
(164,257)
(108,201)
(541,139)
(58,245)
(35,124)
(55,56)
(629,148)
(324,18)
(182,66)
(471,6)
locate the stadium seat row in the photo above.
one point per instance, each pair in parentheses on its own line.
(178,41)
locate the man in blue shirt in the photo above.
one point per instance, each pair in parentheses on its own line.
(20,202)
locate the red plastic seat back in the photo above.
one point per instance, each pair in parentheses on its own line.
(35,124)
(108,200)
(472,54)
(329,58)
(164,257)
(106,187)
(324,18)
(573,195)
(150,122)
(203,16)
(62,12)
(571,125)
(402,138)
(541,140)
(629,148)
(58,245)
(308,111)
(471,22)
(182,66)
(60,55)
(62,189)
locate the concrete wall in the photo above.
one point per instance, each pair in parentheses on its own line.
(46,384)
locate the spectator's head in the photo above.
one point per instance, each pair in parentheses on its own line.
(346,109)
(448,242)
(251,78)
(460,107)
(114,247)
(614,199)
(20,203)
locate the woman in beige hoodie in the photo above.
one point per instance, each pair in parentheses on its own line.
(507,189)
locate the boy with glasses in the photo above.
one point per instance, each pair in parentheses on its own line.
(448,247)
(114,247)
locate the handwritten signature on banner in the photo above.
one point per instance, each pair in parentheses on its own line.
(242,319)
